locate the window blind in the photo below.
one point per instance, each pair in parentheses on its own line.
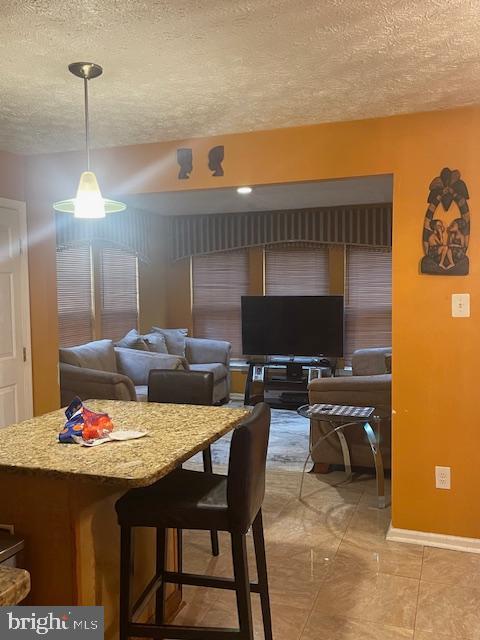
(300,270)
(118,292)
(74,295)
(368,299)
(219,282)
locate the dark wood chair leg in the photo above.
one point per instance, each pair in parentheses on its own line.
(208,468)
(180,550)
(261,559)
(160,569)
(207,460)
(126,569)
(214,542)
(242,585)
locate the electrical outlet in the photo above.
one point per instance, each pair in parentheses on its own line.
(442,478)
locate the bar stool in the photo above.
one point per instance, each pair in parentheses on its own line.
(185,387)
(10,545)
(194,500)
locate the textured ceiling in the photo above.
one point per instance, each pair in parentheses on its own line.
(188,68)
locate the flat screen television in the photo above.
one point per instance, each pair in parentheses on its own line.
(292,326)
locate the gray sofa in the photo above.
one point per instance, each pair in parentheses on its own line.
(100,370)
(369,385)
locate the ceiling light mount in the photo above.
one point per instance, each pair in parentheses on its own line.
(85,70)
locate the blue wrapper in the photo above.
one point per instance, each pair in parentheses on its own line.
(74,424)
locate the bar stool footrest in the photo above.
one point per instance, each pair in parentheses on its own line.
(173,632)
(213,582)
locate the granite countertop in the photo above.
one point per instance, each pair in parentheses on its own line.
(176,433)
(14,585)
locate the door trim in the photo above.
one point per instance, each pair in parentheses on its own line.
(21,210)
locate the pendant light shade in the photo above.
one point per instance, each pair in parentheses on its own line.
(89,202)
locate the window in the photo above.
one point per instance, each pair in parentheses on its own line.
(118,292)
(368,299)
(219,282)
(79,282)
(74,295)
(296,270)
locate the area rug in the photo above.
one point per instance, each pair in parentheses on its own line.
(288,444)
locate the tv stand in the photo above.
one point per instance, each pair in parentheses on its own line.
(282,382)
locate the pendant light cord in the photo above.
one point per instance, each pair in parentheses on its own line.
(87,124)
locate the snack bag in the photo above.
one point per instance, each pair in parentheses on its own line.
(83,423)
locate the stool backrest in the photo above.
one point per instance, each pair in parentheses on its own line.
(246,470)
(180,387)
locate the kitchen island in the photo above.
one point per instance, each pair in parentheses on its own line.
(61,497)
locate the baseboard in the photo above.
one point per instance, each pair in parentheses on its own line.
(455,543)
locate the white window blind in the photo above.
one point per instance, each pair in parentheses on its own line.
(74,295)
(219,282)
(118,292)
(368,299)
(296,270)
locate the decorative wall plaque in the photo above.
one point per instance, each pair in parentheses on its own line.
(215,159)
(446,227)
(185,162)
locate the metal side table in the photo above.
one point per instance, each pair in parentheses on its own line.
(340,417)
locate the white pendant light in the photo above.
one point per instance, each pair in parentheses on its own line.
(88,202)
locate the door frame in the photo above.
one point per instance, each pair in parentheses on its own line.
(21,209)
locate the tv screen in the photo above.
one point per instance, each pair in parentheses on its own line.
(292,325)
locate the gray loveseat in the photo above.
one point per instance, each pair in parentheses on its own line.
(100,370)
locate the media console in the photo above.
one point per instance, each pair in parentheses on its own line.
(283,382)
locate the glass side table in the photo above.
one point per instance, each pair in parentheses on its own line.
(339,417)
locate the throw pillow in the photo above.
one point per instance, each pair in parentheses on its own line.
(175,339)
(133,340)
(155,342)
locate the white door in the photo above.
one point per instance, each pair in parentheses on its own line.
(15,364)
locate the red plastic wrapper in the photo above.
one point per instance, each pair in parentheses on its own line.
(95,425)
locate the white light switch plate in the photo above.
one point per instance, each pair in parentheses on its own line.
(460,305)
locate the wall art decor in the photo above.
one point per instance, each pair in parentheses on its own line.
(446,227)
(185,162)
(215,159)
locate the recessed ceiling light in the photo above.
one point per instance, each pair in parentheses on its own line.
(244,190)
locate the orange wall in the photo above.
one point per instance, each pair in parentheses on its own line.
(435,357)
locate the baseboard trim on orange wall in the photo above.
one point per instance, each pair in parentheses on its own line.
(455,543)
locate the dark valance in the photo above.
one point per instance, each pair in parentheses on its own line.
(130,230)
(369,225)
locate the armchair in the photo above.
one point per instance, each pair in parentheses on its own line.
(370,385)
(92,383)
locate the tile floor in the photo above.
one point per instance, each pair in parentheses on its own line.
(333,576)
